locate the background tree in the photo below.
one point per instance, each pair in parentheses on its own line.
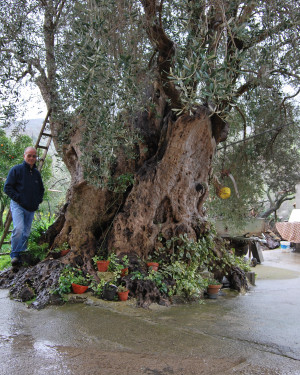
(141,93)
(266,170)
(11,153)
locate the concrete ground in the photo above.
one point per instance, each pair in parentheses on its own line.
(246,334)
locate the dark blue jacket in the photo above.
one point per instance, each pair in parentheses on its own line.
(24,185)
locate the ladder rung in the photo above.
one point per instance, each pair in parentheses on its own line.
(43,147)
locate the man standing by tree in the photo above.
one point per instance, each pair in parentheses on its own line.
(24,186)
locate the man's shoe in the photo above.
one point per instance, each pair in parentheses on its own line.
(15,262)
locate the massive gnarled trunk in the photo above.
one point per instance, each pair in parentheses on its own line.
(171,184)
(169,189)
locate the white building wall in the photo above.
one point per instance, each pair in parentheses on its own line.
(298,196)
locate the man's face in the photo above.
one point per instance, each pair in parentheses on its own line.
(30,157)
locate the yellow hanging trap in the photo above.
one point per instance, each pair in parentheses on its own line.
(224,192)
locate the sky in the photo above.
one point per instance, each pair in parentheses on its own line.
(34,107)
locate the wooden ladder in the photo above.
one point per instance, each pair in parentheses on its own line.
(40,162)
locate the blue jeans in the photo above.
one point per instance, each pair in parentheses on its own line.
(22,220)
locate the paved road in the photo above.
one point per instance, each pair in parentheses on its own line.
(255,333)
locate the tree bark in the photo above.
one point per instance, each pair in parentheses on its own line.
(169,189)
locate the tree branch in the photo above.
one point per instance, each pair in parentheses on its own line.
(59,12)
(276,205)
(247,12)
(165,47)
(289,97)
(285,72)
(253,82)
(264,34)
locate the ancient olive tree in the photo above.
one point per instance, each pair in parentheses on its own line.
(141,93)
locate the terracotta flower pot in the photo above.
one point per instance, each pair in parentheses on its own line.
(153,266)
(64,252)
(123,296)
(213,290)
(79,289)
(102,265)
(124,272)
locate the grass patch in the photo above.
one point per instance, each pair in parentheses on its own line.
(4,262)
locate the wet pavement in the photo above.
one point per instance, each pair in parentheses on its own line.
(246,334)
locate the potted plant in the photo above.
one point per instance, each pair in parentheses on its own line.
(123,293)
(118,266)
(109,292)
(79,284)
(213,288)
(69,276)
(64,249)
(60,251)
(101,263)
(152,263)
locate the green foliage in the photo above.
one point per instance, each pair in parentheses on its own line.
(97,287)
(40,226)
(125,261)
(63,246)
(189,282)
(4,262)
(96,258)
(267,167)
(114,263)
(183,259)
(37,250)
(68,276)
(137,275)
(186,250)
(212,282)
(105,91)
(121,183)
(11,153)
(232,259)
(159,280)
(122,288)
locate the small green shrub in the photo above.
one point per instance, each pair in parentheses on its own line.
(137,275)
(38,251)
(158,279)
(97,288)
(182,260)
